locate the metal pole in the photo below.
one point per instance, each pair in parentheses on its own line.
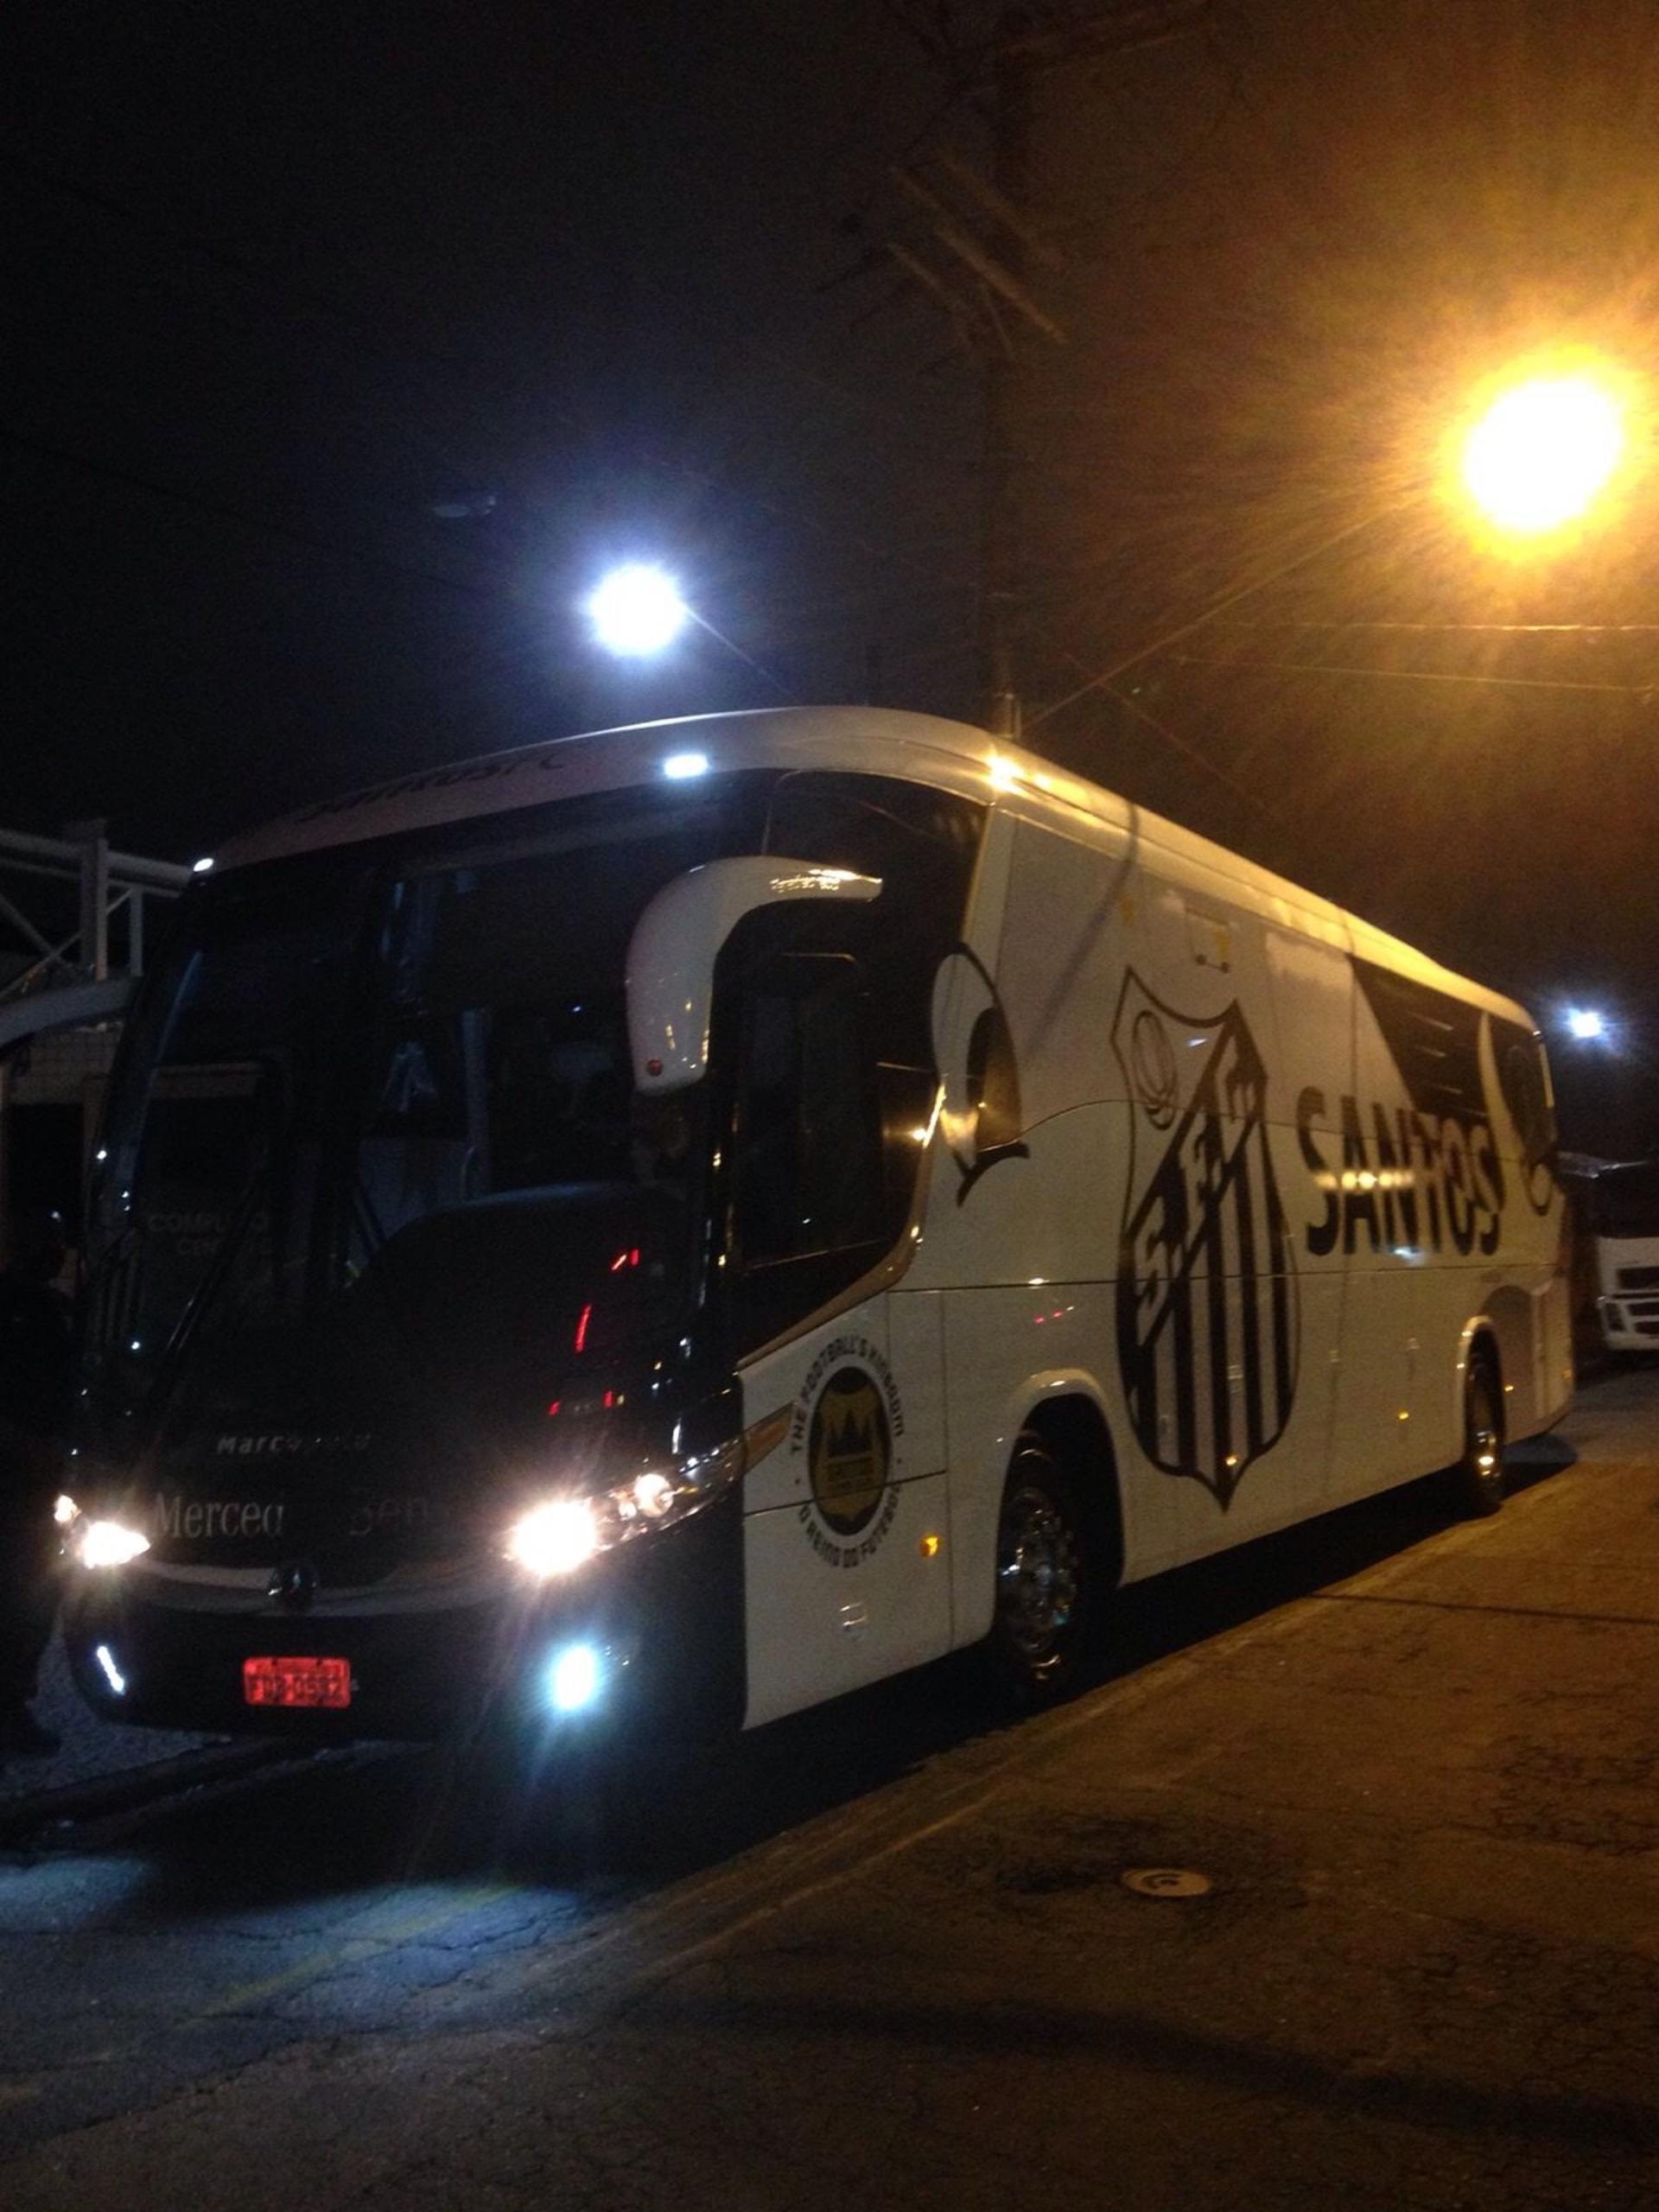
(92,837)
(5,1160)
(1000,563)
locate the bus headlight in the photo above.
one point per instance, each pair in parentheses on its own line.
(563,1534)
(556,1538)
(105,1543)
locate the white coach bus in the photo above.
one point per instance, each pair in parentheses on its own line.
(683,1222)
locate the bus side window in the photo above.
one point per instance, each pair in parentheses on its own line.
(1523,1078)
(809,1170)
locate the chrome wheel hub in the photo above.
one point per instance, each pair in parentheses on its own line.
(1486,1449)
(1036,1574)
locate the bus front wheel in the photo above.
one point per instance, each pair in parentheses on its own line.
(1477,1480)
(1045,1580)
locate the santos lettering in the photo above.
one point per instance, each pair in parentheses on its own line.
(1410,1180)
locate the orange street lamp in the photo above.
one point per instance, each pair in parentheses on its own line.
(1543,450)
(1533,461)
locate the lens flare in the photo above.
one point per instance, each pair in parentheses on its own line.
(574,1677)
(556,1538)
(636,610)
(1542,451)
(109,1543)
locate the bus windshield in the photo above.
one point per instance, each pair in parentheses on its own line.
(364,1082)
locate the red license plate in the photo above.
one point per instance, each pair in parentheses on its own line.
(304,1683)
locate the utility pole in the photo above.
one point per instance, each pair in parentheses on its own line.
(983,245)
(1001,562)
(1022,45)
(972,258)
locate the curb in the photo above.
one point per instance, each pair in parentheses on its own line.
(24,1819)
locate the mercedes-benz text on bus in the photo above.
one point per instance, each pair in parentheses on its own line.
(677,1223)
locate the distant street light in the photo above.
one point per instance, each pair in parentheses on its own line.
(1587,1025)
(1542,451)
(636,610)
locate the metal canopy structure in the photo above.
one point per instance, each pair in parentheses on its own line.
(76,913)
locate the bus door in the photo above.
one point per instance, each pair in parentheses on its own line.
(845,1559)
(1310,977)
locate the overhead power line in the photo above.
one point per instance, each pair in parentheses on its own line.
(1418,675)
(1199,758)
(1161,645)
(1500,629)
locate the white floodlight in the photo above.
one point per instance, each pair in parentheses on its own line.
(636,610)
(574,1678)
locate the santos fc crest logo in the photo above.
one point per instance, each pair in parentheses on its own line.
(1207,1316)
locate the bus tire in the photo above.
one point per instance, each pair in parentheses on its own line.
(1046,1579)
(1476,1483)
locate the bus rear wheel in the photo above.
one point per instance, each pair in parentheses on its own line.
(1045,1580)
(1477,1481)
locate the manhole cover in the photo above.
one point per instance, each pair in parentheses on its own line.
(1165,1882)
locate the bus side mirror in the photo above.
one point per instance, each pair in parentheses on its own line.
(671,954)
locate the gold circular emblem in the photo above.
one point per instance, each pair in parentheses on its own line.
(849,1451)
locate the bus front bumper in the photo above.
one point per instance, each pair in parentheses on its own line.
(648,1638)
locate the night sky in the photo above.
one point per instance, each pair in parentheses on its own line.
(285,283)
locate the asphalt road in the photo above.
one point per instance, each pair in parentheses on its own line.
(887,1955)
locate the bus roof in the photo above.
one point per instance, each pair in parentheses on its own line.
(872,740)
